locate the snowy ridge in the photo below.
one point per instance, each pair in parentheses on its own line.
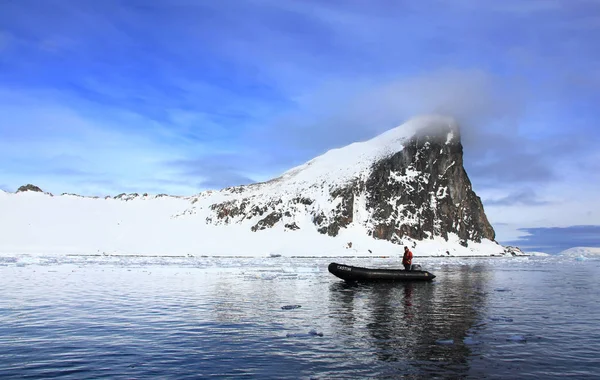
(537,254)
(338,166)
(310,189)
(365,199)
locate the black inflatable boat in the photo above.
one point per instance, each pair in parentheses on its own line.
(358,274)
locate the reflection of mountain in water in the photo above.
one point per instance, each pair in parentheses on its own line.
(402,322)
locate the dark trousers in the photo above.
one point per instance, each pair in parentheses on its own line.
(407,266)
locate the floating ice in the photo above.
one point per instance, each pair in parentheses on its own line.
(469,341)
(299,335)
(501,319)
(268,276)
(290,307)
(517,338)
(314,269)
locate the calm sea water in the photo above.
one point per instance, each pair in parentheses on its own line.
(96,317)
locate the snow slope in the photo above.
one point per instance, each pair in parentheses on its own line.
(39,223)
(537,254)
(338,166)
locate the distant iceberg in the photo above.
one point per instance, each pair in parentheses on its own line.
(581,252)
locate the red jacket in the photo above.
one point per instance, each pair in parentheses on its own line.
(407,258)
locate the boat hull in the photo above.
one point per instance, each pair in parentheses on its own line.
(358,274)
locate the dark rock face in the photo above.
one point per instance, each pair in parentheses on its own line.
(342,215)
(424,191)
(29,187)
(420,192)
(292,226)
(513,251)
(267,222)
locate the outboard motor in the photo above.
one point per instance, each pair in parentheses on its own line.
(415,267)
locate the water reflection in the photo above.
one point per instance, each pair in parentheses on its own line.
(404,323)
(147,321)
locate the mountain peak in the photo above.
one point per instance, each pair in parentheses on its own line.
(406,183)
(340,166)
(29,187)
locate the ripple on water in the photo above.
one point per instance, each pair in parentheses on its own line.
(199,317)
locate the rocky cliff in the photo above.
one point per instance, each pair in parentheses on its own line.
(408,183)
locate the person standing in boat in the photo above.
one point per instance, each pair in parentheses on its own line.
(407,258)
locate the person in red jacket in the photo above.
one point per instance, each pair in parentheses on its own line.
(407,258)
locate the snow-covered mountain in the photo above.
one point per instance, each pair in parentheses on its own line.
(406,186)
(581,251)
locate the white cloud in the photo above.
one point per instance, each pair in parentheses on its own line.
(57,145)
(340,112)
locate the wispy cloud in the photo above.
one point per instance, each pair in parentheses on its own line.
(557,239)
(531,7)
(218,171)
(342,112)
(60,147)
(522,197)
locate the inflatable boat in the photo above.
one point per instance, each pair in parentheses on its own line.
(357,274)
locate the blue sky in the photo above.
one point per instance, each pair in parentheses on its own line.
(179,96)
